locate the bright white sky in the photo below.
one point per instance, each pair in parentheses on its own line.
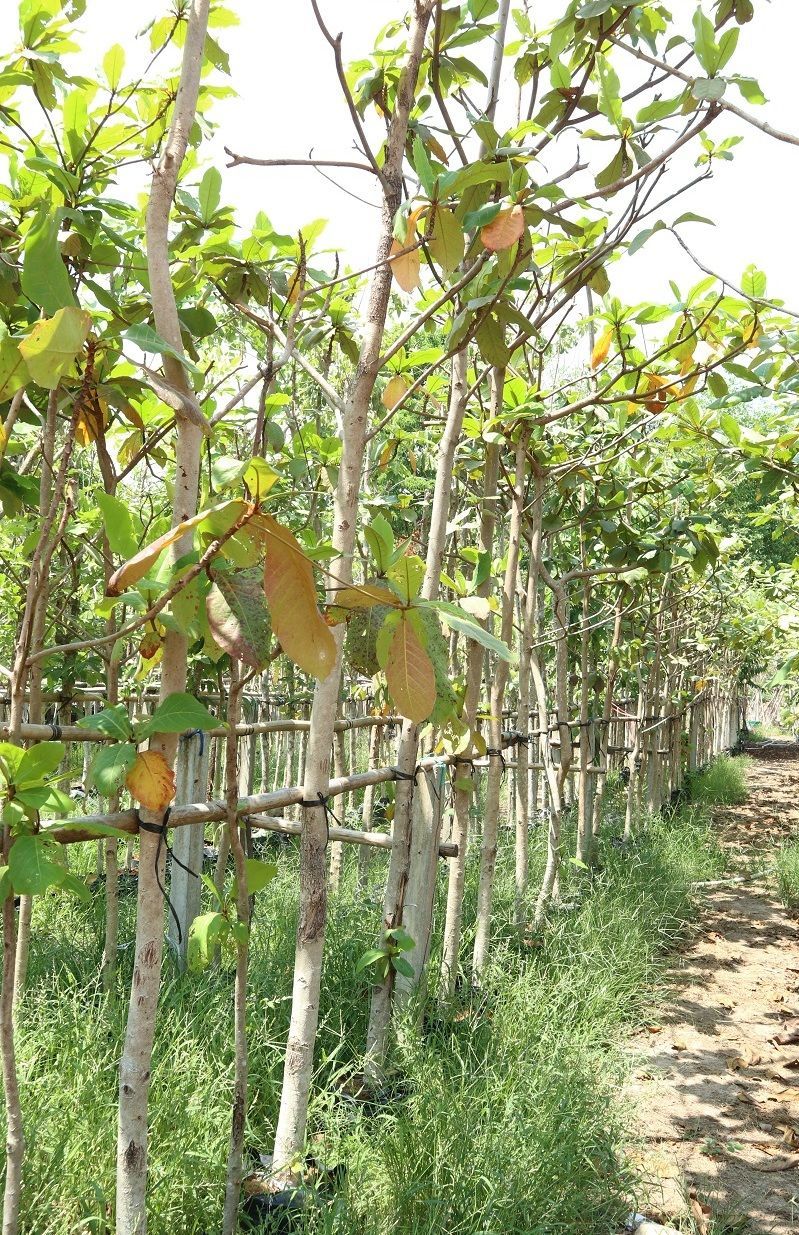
(289,101)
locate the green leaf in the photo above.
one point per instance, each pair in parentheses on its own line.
(708,88)
(178,713)
(400,965)
(209,194)
(401,939)
(259,874)
(205,932)
(13,370)
(447,242)
(407,575)
(32,872)
(369,958)
(707,53)
(145,338)
(753,282)
(44,278)
(422,167)
(52,345)
(38,762)
(114,65)
(456,619)
(609,92)
(118,525)
(259,477)
(110,766)
(114,721)
(750,89)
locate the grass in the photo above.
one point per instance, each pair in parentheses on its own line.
(788,873)
(721,783)
(511,1123)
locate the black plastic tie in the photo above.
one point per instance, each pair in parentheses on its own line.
(159,830)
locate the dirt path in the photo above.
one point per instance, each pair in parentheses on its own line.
(716,1098)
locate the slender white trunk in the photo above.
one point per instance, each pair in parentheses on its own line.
(290,1134)
(462,796)
(136,1061)
(488,851)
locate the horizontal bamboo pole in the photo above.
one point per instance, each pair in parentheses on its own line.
(350,836)
(76,733)
(79,828)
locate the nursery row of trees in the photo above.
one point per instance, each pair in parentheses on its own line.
(218,448)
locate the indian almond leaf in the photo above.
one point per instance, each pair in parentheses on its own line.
(601,348)
(92,418)
(238,617)
(410,674)
(394,391)
(136,568)
(52,345)
(151,781)
(365,596)
(447,241)
(504,230)
(297,623)
(405,265)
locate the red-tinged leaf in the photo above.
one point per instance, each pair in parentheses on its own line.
(151,781)
(405,266)
(504,230)
(365,596)
(136,567)
(410,674)
(601,348)
(291,595)
(238,617)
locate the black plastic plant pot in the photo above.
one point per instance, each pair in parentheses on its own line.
(276,1213)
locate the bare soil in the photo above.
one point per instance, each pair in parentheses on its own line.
(715,1088)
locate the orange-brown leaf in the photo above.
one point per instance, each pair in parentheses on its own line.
(504,230)
(601,348)
(151,781)
(405,265)
(410,674)
(394,391)
(291,595)
(136,568)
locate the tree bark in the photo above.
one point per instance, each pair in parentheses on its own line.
(135,1064)
(290,1135)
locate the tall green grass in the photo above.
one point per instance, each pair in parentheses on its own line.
(510,1124)
(788,874)
(721,783)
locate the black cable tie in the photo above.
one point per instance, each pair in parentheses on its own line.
(400,775)
(313,803)
(195,733)
(159,830)
(55,731)
(498,752)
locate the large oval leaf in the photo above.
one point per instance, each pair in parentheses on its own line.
(504,230)
(291,595)
(238,617)
(151,781)
(410,674)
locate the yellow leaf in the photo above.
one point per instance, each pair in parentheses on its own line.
(410,674)
(447,241)
(136,568)
(659,397)
(365,596)
(151,781)
(394,391)
(405,265)
(291,595)
(92,418)
(504,230)
(601,348)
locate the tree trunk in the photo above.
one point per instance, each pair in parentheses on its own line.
(135,1065)
(290,1135)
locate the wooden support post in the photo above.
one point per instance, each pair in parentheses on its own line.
(191,775)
